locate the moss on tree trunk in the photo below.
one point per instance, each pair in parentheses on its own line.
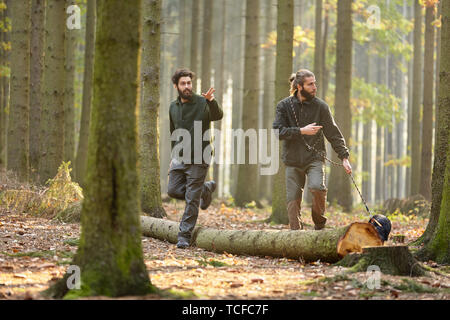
(149,112)
(395,260)
(110,255)
(283,67)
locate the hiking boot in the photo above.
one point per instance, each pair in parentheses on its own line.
(293,207)
(206,197)
(318,208)
(182,243)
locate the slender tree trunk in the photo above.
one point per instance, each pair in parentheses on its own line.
(81,160)
(4,84)
(206,46)
(416,98)
(110,254)
(283,70)
(149,111)
(238,66)
(325,70)
(194,39)
(69,92)
(269,90)
(439,186)
(318,54)
(339,184)
(18,139)
(427,117)
(220,91)
(182,34)
(37,60)
(52,116)
(249,172)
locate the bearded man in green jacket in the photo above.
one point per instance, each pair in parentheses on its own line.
(188,170)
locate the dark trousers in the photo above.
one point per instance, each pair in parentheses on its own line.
(186,182)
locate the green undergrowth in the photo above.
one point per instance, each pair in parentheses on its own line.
(48,201)
(212,262)
(64,257)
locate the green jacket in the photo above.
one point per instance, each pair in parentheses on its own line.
(183,115)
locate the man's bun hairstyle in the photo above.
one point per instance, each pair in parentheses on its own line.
(182,73)
(299,79)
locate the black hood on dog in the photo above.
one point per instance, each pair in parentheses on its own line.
(385,227)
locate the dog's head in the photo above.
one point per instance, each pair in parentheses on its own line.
(383,226)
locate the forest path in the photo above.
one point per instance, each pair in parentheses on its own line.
(33,251)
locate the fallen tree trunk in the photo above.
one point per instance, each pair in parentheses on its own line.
(307,245)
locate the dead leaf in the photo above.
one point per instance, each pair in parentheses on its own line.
(395,293)
(236,285)
(257,280)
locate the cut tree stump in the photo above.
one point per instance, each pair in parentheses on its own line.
(306,245)
(393,260)
(358,236)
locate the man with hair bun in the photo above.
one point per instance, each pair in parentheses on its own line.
(302,121)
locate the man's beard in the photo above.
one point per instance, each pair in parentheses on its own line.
(308,96)
(186,94)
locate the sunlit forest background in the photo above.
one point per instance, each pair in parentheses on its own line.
(394,83)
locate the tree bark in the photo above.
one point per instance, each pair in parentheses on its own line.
(81,158)
(110,254)
(269,91)
(427,117)
(36,67)
(308,245)
(52,116)
(4,81)
(69,91)
(194,40)
(283,70)
(393,260)
(339,187)
(249,172)
(437,244)
(318,54)
(416,97)
(18,139)
(150,187)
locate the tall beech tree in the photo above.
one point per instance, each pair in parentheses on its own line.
(416,98)
(69,90)
(110,253)
(149,111)
(283,70)
(427,116)
(339,187)
(436,235)
(249,172)
(36,66)
(81,157)
(52,114)
(18,142)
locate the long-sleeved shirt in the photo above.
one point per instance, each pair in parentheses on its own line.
(183,115)
(295,152)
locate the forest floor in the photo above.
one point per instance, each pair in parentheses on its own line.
(35,251)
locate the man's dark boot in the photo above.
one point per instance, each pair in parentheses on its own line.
(293,208)
(318,208)
(208,188)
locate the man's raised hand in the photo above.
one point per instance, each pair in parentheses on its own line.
(311,129)
(210,94)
